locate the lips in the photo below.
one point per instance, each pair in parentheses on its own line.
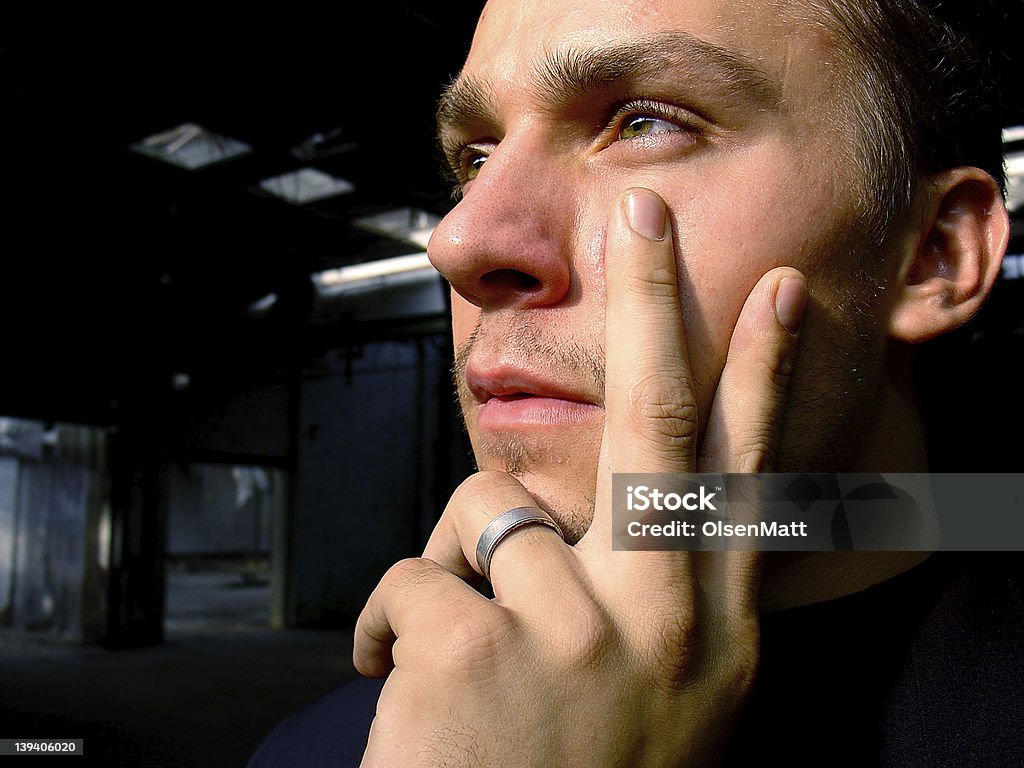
(514,399)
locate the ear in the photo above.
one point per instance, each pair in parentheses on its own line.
(952,258)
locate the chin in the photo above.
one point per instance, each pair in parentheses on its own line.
(561,481)
(570,507)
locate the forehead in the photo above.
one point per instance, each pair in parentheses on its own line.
(780,37)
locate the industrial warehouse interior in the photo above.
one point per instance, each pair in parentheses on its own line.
(226,403)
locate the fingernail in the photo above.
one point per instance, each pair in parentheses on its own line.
(645,213)
(790,301)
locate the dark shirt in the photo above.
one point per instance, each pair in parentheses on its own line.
(925,670)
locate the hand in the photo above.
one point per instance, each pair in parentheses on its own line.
(588,656)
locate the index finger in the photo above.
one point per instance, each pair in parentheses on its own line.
(650,407)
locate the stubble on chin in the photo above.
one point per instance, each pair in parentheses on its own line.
(508,454)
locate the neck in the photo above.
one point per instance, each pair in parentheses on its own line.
(895,444)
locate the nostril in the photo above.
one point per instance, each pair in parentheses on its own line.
(510,279)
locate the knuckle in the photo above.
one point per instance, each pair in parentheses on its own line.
(675,650)
(757,453)
(663,407)
(656,284)
(489,491)
(413,572)
(741,657)
(485,481)
(744,669)
(477,643)
(589,639)
(773,368)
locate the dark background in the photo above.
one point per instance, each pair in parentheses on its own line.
(118,270)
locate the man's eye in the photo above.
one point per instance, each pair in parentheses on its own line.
(473,163)
(636,126)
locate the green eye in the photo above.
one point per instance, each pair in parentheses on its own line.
(646,125)
(473,166)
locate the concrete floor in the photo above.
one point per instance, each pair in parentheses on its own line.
(204,698)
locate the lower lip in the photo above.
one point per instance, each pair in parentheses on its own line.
(517,412)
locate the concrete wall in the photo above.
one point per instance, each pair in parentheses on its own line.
(373,471)
(220,508)
(52,496)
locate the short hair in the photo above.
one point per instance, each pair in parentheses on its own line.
(925,95)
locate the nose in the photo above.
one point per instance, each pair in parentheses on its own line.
(508,241)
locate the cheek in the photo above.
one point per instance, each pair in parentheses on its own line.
(465,317)
(729,236)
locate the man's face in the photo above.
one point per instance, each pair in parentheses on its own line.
(731,112)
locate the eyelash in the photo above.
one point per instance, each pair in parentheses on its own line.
(620,116)
(457,167)
(461,157)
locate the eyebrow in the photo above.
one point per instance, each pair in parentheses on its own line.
(570,74)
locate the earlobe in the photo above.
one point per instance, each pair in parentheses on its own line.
(954,256)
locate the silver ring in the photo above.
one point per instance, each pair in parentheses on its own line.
(502,526)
